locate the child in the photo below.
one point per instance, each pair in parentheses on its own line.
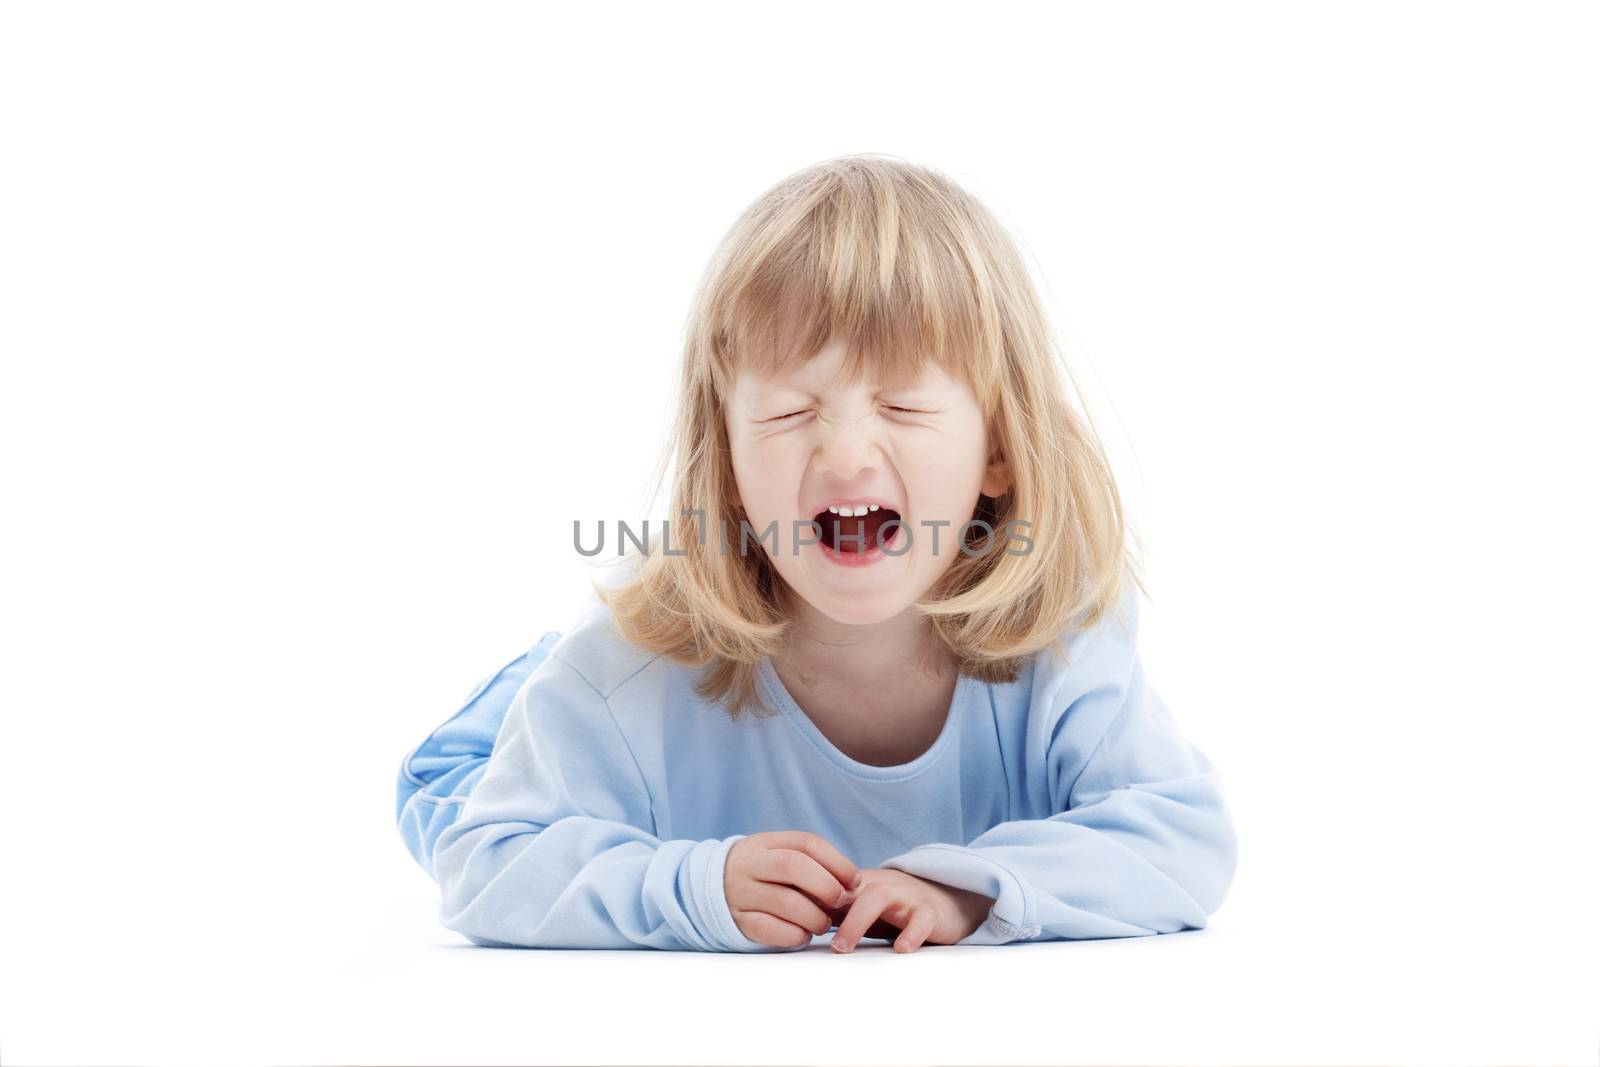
(882,671)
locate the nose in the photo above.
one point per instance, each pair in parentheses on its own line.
(847,447)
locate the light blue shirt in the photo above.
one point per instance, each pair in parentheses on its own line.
(586,797)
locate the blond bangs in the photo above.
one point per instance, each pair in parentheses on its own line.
(907,269)
(874,256)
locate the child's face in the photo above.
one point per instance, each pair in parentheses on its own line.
(929,462)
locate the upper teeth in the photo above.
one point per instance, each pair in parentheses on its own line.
(846,509)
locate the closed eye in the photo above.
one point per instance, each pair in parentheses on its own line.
(891,407)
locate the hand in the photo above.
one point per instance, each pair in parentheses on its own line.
(777,882)
(920,911)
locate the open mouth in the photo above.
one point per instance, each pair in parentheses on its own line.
(856,533)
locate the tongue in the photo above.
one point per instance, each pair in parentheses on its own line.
(857,533)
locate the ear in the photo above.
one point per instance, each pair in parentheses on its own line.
(996,476)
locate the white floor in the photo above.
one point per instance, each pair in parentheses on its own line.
(366,976)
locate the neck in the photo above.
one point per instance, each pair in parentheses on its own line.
(824,651)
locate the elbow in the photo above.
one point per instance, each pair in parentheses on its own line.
(468,863)
(484,942)
(1216,859)
(507,885)
(1211,843)
(456,904)
(458,895)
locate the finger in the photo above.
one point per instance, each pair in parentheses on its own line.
(787,866)
(822,850)
(771,930)
(916,931)
(789,903)
(867,907)
(879,930)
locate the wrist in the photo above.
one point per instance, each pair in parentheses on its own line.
(972,907)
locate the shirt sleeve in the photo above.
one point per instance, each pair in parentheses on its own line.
(555,845)
(437,776)
(1140,840)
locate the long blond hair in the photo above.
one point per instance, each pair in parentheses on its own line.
(904,266)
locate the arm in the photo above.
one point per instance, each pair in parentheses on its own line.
(1141,840)
(555,846)
(436,777)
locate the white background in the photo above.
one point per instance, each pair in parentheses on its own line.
(321,323)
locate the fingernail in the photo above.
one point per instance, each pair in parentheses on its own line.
(855,883)
(842,898)
(841,946)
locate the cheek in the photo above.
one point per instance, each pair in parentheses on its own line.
(762,470)
(943,479)
(748,455)
(777,453)
(967,460)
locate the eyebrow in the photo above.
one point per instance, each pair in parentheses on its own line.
(921,388)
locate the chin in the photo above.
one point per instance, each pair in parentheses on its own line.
(863,609)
